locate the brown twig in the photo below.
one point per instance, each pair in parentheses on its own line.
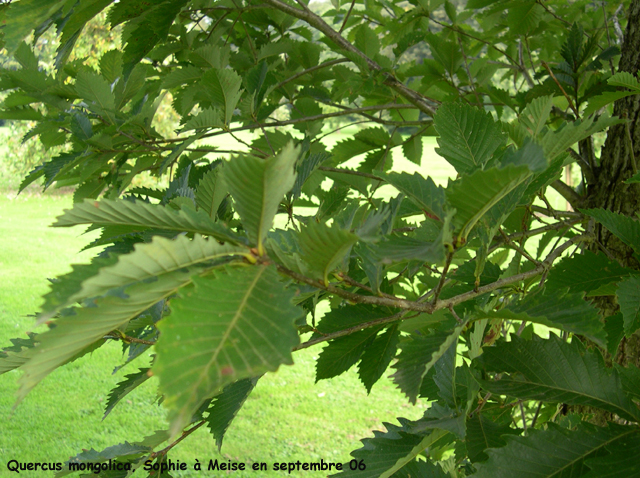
(184,435)
(306,15)
(573,107)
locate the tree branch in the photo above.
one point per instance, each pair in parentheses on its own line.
(568,193)
(319,24)
(431,307)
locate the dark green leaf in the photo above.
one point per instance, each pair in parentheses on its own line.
(418,354)
(422,191)
(558,309)
(139,214)
(377,357)
(585,272)
(484,433)
(225,406)
(130,383)
(472,196)
(344,352)
(388,452)
(552,452)
(258,187)
(627,229)
(556,371)
(468,136)
(232,325)
(324,247)
(629,299)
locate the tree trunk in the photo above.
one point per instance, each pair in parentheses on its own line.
(618,162)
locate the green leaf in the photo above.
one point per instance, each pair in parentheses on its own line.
(524,16)
(558,372)
(398,248)
(130,383)
(633,179)
(600,101)
(377,357)
(366,40)
(484,433)
(14,356)
(182,76)
(211,191)
(143,215)
(554,143)
(422,191)
(24,16)
(68,285)
(305,169)
(324,247)
(152,260)
(232,325)
(620,463)
(629,299)
(340,354)
(390,451)
(553,452)
(341,318)
(331,202)
(420,468)
(258,186)
(111,65)
(443,418)
(468,136)
(73,333)
(585,272)
(624,227)
(25,113)
(158,18)
(630,376)
(96,91)
(534,117)
(223,86)
(206,120)
(445,377)
(557,309)
(412,149)
(417,355)
(626,80)
(127,452)
(225,406)
(614,327)
(472,196)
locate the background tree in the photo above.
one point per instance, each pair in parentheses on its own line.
(440,284)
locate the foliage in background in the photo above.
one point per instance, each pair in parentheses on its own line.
(440,286)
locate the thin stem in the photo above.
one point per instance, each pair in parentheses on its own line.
(443,277)
(352,172)
(414,97)
(568,193)
(524,420)
(573,107)
(326,64)
(184,435)
(517,248)
(344,22)
(351,330)
(127,339)
(535,416)
(416,306)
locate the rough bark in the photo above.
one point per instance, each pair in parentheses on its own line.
(618,162)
